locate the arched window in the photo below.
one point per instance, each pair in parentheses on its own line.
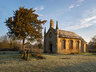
(70,44)
(77,44)
(63,44)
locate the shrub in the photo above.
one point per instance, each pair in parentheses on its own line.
(38,55)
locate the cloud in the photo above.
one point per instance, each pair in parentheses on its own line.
(41,15)
(77,4)
(71,6)
(90,12)
(39,8)
(88,20)
(80,1)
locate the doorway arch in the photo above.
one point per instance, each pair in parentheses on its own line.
(51,47)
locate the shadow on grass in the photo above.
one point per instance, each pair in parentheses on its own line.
(82,67)
(87,54)
(53,54)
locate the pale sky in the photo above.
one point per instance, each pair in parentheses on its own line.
(78,16)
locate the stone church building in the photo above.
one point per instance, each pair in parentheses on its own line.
(62,42)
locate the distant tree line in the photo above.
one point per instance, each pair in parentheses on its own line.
(91,47)
(8,44)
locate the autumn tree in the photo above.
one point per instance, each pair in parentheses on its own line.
(25,25)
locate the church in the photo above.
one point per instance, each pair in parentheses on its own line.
(62,41)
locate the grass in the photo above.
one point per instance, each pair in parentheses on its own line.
(12,62)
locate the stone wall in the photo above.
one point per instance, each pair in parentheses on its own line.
(68,50)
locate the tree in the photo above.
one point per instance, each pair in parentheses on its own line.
(92,45)
(25,25)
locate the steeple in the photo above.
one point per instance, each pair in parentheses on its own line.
(51,23)
(45,31)
(56,24)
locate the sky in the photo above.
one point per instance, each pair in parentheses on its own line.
(78,16)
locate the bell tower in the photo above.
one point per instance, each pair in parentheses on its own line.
(45,31)
(56,24)
(51,23)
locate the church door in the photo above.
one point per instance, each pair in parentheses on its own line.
(50,48)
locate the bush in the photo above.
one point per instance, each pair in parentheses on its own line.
(16,48)
(38,55)
(6,49)
(40,46)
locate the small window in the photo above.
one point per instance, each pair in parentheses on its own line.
(64,44)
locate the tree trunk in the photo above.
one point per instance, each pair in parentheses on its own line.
(23,44)
(27,57)
(24,54)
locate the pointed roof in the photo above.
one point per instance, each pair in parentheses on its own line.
(56,24)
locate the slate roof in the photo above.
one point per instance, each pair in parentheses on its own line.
(68,34)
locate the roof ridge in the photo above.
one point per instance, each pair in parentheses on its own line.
(67,31)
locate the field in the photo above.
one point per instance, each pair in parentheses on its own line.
(12,62)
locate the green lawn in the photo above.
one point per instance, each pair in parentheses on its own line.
(11,62)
